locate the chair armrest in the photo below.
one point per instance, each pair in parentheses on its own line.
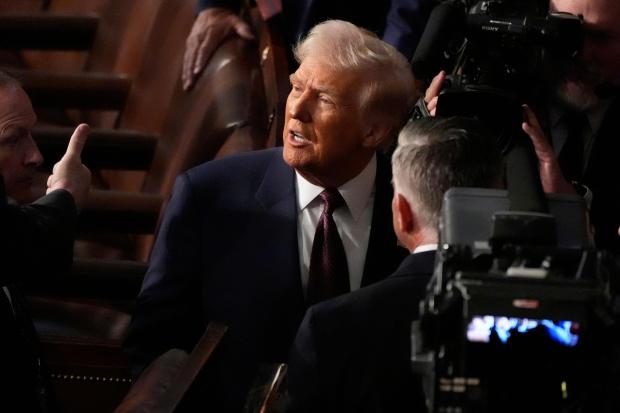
(80,320)
(161,387)
(95,278)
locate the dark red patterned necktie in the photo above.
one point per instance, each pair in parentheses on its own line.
(328,273)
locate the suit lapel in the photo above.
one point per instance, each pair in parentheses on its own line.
(276,195)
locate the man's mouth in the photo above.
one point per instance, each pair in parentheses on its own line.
(297,138)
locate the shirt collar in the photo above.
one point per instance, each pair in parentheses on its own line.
(424,248)
(356,191)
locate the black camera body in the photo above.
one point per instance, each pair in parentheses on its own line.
(494,43)
(506,42)
(519,313)
(496,53)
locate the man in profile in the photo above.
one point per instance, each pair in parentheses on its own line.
(352,353)
(36,241)
(252,240)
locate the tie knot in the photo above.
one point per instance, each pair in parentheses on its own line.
(332,200)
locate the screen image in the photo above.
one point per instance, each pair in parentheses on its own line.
(480,329)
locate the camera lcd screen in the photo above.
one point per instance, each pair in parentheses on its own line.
(482,328)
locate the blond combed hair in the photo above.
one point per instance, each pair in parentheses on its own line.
(388,93)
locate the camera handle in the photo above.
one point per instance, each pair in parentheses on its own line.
(525,190)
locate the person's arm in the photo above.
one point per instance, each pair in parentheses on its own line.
(551,176)
(37,239)
(169,311)
(216,21)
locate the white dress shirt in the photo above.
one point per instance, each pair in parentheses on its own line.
(353,220)
(424,248)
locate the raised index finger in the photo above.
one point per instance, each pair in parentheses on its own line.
(435,86)
(77,141)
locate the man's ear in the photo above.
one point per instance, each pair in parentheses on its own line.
(404,215)
(377,136)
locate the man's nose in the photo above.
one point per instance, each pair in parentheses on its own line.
(299,107)
(33,157)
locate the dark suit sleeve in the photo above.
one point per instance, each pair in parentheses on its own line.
(405,24)
(37,239)
(302,375)
(167,312)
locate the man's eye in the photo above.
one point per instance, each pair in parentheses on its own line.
(10,140)
(325,99)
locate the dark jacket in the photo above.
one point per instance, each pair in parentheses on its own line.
(352,353)
(36,244)
(227,251)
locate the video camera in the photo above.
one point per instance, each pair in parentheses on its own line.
(496,53)
(519,314)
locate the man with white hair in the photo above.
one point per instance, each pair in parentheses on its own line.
(352,353)
(253,239)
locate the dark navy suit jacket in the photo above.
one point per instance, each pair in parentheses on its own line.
(36,246)
(352,353)
(400,22)
(227,251)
